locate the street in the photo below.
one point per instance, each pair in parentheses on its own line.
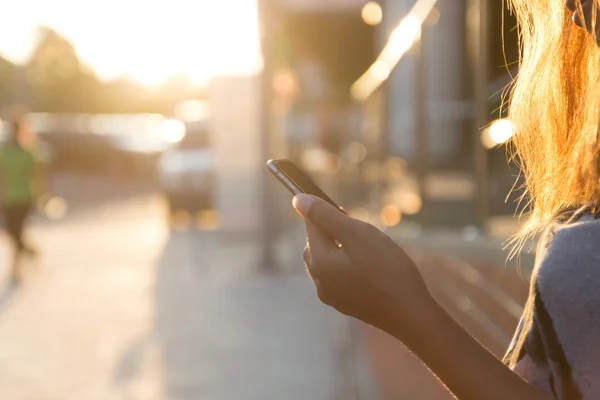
(118,307)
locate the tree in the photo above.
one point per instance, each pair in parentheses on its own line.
(59,82)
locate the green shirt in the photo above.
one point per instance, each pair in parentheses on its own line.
(17,174)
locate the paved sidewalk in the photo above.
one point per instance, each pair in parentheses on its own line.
(258,337)
(121,308)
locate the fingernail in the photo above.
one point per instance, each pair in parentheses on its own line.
(302,203)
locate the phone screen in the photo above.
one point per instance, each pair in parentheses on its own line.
(296,180)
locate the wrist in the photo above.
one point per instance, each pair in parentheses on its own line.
(433,335)
(414,322)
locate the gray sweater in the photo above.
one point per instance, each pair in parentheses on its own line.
(556,345)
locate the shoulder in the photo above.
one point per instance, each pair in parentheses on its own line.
(571,252)
(567,296)
(576,239)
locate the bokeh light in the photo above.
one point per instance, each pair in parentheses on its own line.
(55,208)
(356,153)
(318,160)
(172,131)
(411,203)
(372,13)
(500,131)
(208,220)
(390,215)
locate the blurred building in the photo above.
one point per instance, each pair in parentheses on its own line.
(449,78)
(327,46)
(445,52)
(445,75)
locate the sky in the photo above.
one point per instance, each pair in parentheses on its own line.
(147,40)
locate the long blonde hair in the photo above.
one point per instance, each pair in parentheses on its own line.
(554,108)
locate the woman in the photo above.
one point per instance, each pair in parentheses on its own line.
(19,181)
(555,353)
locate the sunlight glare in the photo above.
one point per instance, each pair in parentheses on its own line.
(145,41)
(405,35)
(380,70)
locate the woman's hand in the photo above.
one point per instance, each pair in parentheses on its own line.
(586,15)
(369,276)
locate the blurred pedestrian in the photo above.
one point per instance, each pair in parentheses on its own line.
(555,353)
(20,179)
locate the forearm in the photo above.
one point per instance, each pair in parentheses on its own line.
(467,369)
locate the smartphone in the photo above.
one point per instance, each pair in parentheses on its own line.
(296,180)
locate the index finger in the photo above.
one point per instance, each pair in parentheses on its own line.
(319,244)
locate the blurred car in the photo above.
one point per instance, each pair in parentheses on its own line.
(186,173)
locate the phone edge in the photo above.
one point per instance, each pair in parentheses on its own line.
(283,178)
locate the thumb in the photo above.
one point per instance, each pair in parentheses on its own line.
(330,220)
